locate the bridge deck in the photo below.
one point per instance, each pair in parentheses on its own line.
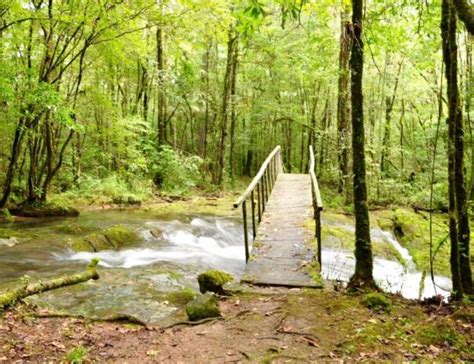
(282,252)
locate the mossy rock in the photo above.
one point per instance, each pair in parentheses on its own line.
(73,229)
(213,280)
(202,307)
(45,210)
(120,235)
(377,302)
(182,296)
(127,200)
(114,237)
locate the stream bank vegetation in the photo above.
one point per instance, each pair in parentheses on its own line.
(171,104)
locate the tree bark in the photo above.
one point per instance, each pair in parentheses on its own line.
(458,214)
(363,276)
(9,298)
(161,88)
(343,109)
(465,13)
(221,165)
(233,113)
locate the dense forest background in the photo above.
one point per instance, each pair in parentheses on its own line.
(111,101)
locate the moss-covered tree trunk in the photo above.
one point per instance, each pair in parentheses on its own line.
(363,276)
(458,213)
(11,297)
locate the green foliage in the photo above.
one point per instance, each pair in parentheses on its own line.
(111,189)
(174,172)
(78,355)
(377,302)
(5,213)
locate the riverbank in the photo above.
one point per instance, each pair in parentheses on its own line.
(260,326)
(265,326)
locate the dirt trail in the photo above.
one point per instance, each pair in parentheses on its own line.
(270,326)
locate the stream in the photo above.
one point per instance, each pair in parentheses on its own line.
(142,280)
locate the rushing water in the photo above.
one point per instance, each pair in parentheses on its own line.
(390,275)
(138,280)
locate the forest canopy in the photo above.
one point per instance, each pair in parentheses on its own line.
(114,90)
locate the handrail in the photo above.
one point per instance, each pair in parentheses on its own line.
(317,202)
(263,182)
(257,177)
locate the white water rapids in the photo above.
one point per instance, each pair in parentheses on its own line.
(218,243)
(215,243)
(390,275)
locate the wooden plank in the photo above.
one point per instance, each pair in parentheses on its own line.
(282,250)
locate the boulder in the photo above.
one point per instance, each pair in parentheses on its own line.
(213,280)
(202,307)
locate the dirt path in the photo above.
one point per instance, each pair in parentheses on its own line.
(273,326)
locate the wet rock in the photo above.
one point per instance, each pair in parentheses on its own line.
(377,302)
(156,233)
(112,238)
(8,242)
(204,306)
(213,280)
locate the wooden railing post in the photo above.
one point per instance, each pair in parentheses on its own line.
(263,182)
(259,194)
(318,235)
(246,235)
(254,227)
(317,204)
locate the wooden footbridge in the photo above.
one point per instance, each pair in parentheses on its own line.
(283,252)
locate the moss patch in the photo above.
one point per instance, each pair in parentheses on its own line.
(44,210)
(377,302)
(181,297)
(204,306)
(342,238)
(113,237)
(213,280)
(220,206)
(413,232)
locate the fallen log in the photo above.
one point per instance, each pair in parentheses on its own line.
(12,296)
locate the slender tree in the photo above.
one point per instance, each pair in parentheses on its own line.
(363,276)
(458,210)
(343,109)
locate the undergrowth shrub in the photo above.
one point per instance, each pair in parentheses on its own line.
(174,172)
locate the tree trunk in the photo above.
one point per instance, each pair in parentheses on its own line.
(343,110)
(363,276)
(465,13)
(225,105)
(161,88)
(15,153)
(458,209)
(233,114)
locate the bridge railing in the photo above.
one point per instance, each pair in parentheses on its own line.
(260,188)
(317,202)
